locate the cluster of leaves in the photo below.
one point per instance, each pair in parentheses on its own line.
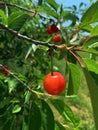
(23,102)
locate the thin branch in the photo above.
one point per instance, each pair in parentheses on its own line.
(24,84)
(36,42)
(78,49)
(62,46)
(76,57)
(17,6)
(22,8)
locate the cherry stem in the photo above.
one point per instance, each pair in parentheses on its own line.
(51,60)
(51,65)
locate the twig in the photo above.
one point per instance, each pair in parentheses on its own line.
(62,46)
(24,84)
(17,6)
(36,42)
(78,49)
(76,57)
(22,8)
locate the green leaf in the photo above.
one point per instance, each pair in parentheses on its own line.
(34,117)
(81,4)
(94,31)
(61,9)
(47,116)
(50,11)
(16,109)
(94,45)
(93,51)
(90,41)
(14,100)
(53,4)
(11,84)
(3,17)
(71,58)
(67,15)
(30,49)
(92,65)
(28,52)
(17,19)
(27,96)
(91,15)
(22,77)
(66,112)
(95,77)
(87,28)
(36,20)
(1,76)
(93,89)
(74,79)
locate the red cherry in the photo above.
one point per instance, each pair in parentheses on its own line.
(54,84)
(54,28)
(4,70)
(49,31)
(57,38)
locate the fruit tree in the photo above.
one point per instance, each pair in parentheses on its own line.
(46,50)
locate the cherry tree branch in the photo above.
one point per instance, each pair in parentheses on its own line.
(14,5)
(76,57)
(22,8)
(20,81)
(36,42)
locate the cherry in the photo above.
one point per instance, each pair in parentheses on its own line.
(54,84)
(49,30)
(4,70)
(57,38)
(54,28)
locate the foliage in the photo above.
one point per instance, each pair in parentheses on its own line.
(30,53)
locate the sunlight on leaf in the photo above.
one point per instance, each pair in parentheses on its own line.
(16,109)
